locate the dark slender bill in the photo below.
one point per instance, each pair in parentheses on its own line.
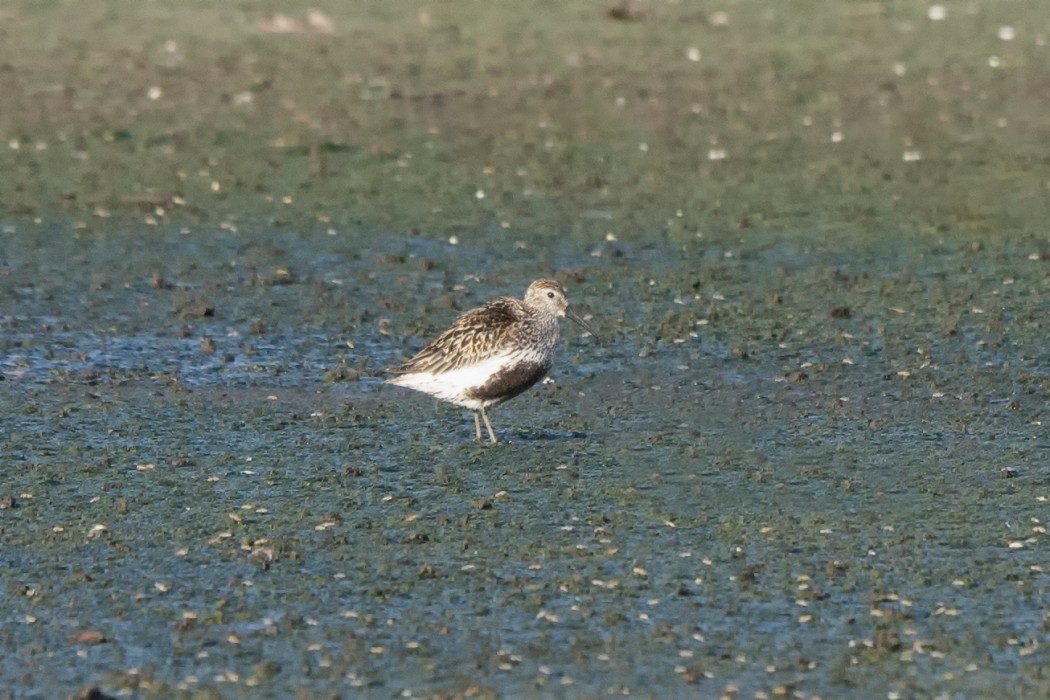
(571,314)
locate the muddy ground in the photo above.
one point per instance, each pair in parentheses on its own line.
(807,458)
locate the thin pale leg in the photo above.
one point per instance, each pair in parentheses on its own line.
(492,433)
(477,427)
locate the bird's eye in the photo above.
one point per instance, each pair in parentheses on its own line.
(550,295)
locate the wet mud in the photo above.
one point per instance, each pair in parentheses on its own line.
(808,458)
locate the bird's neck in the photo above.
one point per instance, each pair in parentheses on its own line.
(544,330)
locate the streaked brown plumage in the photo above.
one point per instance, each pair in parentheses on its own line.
(492,353)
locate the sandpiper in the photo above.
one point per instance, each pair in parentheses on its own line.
(492,353)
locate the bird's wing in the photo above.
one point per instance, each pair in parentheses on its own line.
(477,335)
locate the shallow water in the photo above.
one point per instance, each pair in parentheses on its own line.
(685,508)
(808,457)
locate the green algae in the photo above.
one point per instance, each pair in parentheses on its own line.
(807,459)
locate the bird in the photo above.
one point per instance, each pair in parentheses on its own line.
(492,353)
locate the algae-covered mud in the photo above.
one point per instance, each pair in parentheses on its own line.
(808,458)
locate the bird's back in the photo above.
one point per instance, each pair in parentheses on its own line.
(477,335)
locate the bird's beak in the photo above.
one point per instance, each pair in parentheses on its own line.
(571,314)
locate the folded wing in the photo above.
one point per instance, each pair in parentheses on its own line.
(478,335)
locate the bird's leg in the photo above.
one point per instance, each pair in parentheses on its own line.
(477,427)
(492,433)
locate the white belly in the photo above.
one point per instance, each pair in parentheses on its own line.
(455,385)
